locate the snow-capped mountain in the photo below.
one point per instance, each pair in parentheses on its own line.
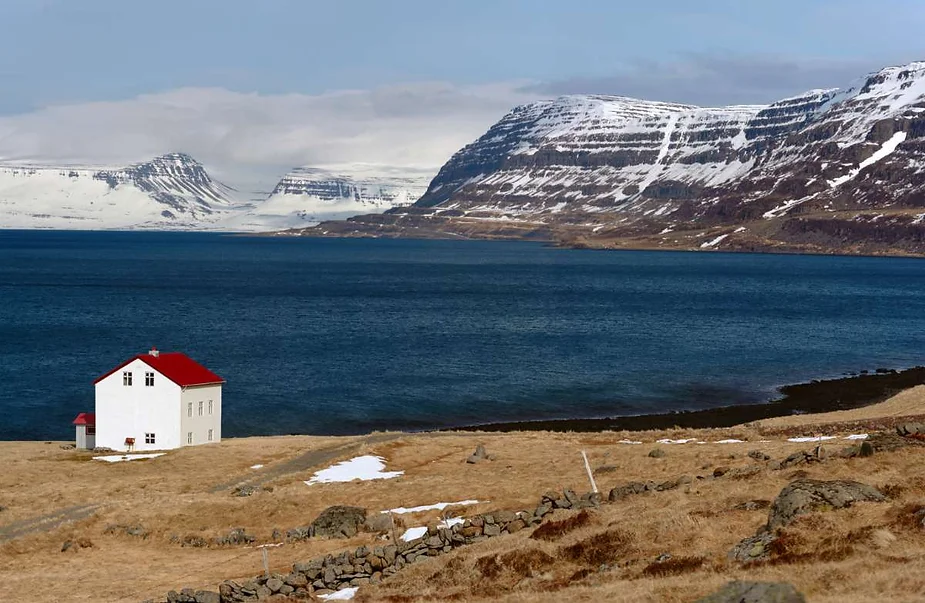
(174,192)
(309,195)
(169,192)
(812,172)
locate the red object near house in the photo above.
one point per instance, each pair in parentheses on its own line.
(85,418)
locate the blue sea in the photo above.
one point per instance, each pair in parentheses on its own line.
(337,336)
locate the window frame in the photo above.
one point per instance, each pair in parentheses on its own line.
(201,403)
(211,435)
(189,437)
(149,378)
(211,407)
(189,409)
(126,378)
(150,438)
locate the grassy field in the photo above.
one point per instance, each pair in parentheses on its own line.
(870,552)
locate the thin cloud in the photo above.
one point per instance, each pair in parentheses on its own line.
(252,139)
(711,80)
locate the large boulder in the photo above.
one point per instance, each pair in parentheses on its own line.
(806,495)
(339,521)
(755,592)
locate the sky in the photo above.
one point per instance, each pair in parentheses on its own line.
(253,88)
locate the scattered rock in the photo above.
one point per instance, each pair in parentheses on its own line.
(68,446)
(656,453)
(621,492)
(743,472)
(755,592)
(606,469)
(237,536)
(752,505)
(797,458)
(908,429)
(754,548)
(478,456)
(245,491)
(339,521)
(866,449)
(720,471)
(819,452)
(847,453)
(194,541)
(759,455)
(67,545)
(137,531)
(205,596)
(103,449)
(380,523)
(804,496)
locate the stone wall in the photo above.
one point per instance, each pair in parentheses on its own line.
(370,565)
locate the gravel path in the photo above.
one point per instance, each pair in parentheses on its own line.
(44,523)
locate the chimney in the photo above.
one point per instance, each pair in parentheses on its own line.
(154,352)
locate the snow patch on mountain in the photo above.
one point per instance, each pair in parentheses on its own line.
(169,192)
(888,147)
(310,195)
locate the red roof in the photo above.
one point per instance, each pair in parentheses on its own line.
(176,366)
(85,418)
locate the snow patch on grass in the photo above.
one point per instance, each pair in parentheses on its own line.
(345,594)
(436,506)
(811,439)
(363,468)
(119,458)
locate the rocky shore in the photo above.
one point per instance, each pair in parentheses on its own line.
(845,393)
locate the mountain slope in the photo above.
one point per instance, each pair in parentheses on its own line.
(840,169)
(309,195)
(169,192)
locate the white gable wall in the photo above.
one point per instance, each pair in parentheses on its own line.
(131,411)
(198,425)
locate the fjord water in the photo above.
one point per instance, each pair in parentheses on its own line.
(333,336)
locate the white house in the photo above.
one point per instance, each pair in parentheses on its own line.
(158,401)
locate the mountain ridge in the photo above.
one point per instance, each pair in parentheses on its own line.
(829,170)
(173,191)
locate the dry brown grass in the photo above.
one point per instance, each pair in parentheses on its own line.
(554,530)
(867,552)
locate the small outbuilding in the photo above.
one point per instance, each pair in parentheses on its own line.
(86,430)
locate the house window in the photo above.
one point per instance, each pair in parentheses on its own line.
(200,408)
(91,430)
(149,438)
(189,437)
(149,379)
(189,409)
(210,407)
(126,377)
(210,435)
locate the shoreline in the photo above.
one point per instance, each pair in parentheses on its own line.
(813,397)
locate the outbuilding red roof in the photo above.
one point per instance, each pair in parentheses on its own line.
(85,418)
(176,366)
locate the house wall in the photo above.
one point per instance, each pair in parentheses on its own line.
(81,437)
(131,411)
(198,425)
